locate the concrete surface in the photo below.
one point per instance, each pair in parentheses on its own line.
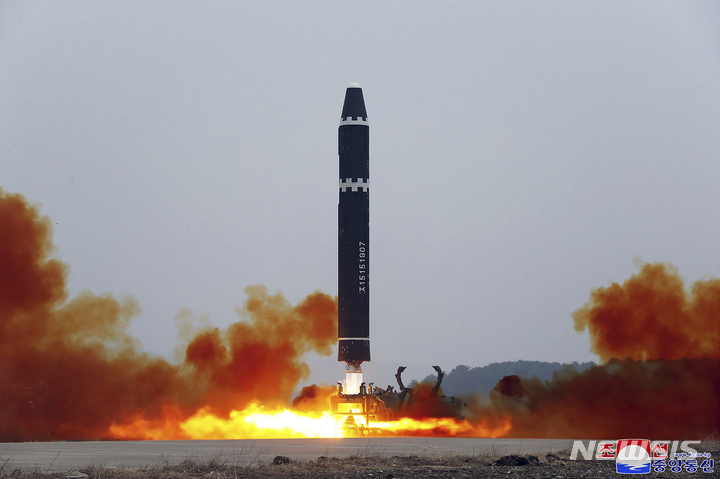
(66,456)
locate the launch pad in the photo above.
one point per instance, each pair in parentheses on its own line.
(360,411)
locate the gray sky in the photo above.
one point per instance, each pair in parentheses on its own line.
(521,154)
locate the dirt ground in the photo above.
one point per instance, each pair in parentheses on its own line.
(551,465)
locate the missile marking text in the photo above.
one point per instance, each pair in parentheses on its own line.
(362,268)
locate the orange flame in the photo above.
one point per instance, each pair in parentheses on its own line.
(259,422)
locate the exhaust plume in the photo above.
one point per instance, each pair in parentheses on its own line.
(70,370)
(661,374)
(651,316)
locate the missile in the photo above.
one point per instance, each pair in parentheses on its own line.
(354,238)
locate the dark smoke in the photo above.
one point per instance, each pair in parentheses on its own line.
(69,369)
(313,398)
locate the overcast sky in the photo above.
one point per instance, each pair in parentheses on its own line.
(521,154)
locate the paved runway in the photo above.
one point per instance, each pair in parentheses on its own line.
(66,456)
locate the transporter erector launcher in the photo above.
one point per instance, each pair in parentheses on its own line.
(354,238)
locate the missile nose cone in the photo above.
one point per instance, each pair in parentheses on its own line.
(354,85)
(354,105)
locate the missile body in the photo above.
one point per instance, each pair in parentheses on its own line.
(354,237)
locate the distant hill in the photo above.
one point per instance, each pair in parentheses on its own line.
(464,380)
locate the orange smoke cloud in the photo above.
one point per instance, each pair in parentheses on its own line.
(651,316)
(259,359)
(661,378)
(70,370)
(671,399)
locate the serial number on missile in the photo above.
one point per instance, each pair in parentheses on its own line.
(362,268)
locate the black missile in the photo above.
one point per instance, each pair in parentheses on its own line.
(354,235)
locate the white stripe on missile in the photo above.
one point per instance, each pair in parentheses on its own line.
(358,120)
(354,185)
